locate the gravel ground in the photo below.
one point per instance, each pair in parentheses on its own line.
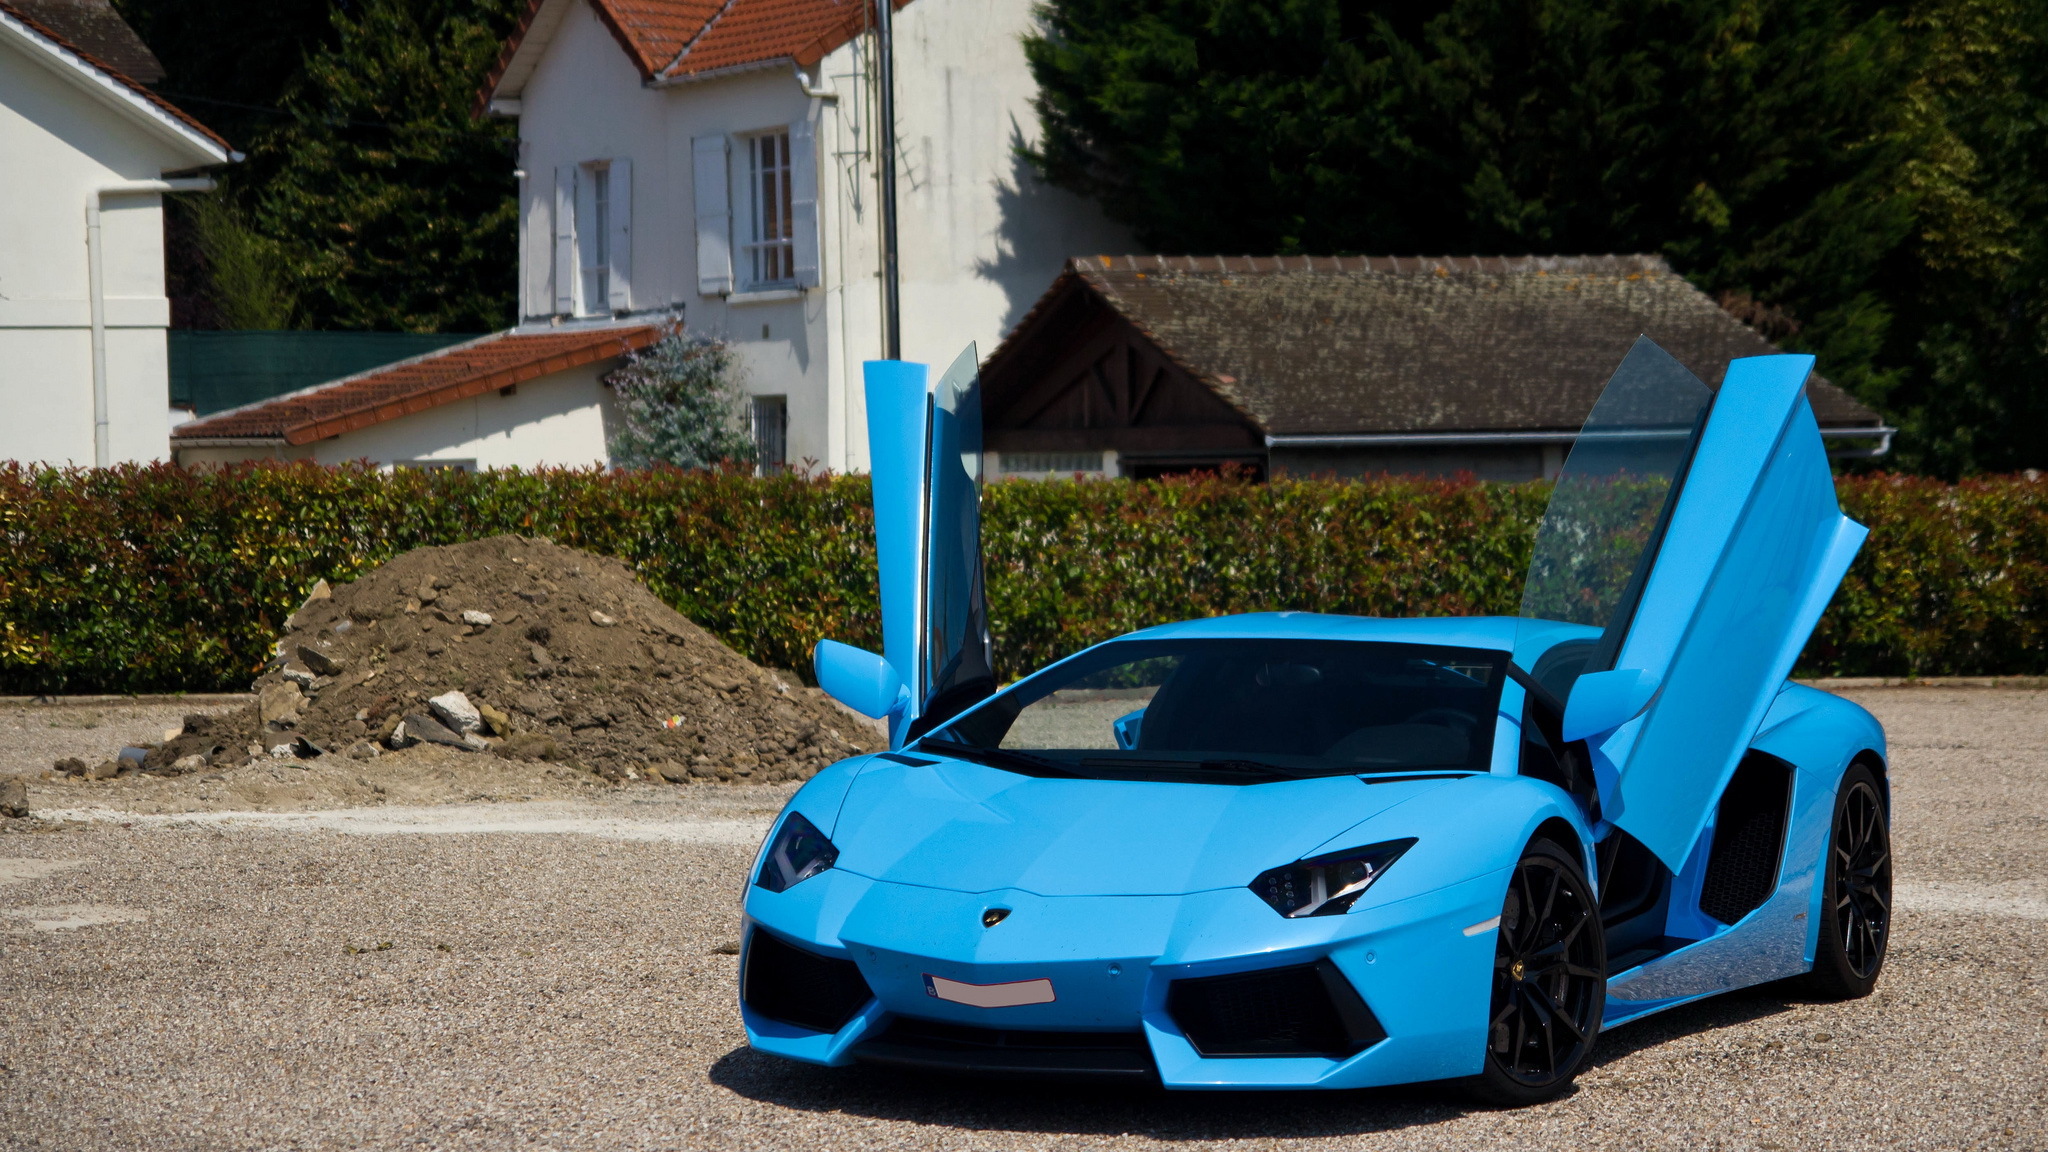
(556,974)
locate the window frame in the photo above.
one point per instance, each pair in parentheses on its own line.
(769,260)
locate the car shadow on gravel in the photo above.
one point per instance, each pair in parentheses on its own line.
(1723,1011)
(987,1105)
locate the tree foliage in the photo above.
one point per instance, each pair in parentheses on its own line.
(1820,165)
(389,206)
(679,404)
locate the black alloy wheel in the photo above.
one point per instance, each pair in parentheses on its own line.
(1549,981)
(1856,906)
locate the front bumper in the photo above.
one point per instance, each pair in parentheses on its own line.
(1113,962)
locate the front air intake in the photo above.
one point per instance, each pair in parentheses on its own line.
(787,983)
(1309,1010)
(933,1046)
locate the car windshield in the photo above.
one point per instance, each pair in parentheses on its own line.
(1241,711)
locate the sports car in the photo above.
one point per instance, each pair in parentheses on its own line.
(1292,850)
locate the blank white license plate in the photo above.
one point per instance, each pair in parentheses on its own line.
(1007,995)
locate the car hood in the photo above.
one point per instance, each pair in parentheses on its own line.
(971,828)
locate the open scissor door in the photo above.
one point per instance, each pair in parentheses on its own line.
(925,452)
(1700,532)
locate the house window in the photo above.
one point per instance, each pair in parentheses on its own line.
(594,236)
(1053,465)
(436,465)
(770,420)
(771,237)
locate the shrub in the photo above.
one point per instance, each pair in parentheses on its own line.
(139,579)
(679,403)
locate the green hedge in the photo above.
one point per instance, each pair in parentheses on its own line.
(140,579)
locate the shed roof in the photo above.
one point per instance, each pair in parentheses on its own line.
(1353,345)
(416,385)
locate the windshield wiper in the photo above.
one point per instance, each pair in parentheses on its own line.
(1217,765)
(1004,758)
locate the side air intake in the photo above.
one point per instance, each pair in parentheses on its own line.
(787,983)
(1309,1010)
(1749,837)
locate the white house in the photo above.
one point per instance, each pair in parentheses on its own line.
(716,161)
(88,150)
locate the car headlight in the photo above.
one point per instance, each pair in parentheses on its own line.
(798,852)
(1327,885)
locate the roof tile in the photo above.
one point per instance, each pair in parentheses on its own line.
(1357,344)
(416,385)
(30,16)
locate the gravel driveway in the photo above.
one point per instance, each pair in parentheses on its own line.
(557,974)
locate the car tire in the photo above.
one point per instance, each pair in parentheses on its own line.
(1549,981)
(1856,897)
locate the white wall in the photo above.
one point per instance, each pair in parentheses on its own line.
(981,238)
(57,143)
(559,420)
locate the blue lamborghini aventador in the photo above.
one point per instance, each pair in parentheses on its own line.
(1290,850)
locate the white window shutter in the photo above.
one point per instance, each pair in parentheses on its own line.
(589,293)
(620,249)
(714,215)
(803,195)
(566,269)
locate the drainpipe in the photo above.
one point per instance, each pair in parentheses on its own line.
(96,291)
(885,125)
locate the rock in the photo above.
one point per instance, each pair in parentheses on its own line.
(454,710)
(13,798)
(321,662)
(602,620)
(300,677)
(105,770)
(540,658)
(672,772)
(475,618)
(192,763)
(418,727)
(284,751)
(398,737)
(279,703)
(500,724)
(70,766)
(364,750)
(320,592)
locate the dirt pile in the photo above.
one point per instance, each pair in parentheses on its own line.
(518,648)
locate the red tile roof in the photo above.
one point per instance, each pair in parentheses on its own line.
(115,74)
(415,385)
(678,38)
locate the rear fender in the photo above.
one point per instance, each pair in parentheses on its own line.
(1820,735)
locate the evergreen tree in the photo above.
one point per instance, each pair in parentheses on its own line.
(394,204)
(679,404)
(387,205)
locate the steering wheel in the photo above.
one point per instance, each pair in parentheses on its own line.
(1444,717)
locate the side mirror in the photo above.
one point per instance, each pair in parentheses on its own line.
(1603,701)
(1126,729)
(857,678)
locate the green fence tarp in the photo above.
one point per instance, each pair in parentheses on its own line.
(215,371)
